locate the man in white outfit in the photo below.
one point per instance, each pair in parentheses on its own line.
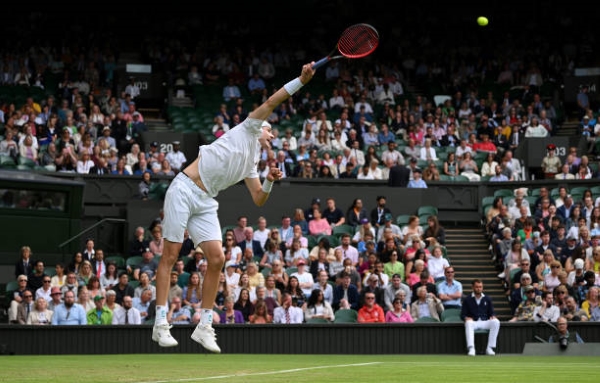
(190,203)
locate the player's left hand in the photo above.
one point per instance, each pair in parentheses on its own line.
(274,174)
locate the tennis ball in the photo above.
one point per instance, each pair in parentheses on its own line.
(483,21)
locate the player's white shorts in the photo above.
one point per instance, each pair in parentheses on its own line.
(186,205)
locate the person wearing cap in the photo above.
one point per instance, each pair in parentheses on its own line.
(99,315)
(176,157)
(190,202)
(525,311)
(148,265)
(18,298)
(551,164)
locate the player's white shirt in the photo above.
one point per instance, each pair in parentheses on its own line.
(231,158)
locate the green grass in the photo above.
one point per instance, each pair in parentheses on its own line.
(154,368)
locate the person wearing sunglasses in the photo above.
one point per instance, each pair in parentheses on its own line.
(17,298)
(44,291)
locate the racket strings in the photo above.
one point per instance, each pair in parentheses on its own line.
(358,41)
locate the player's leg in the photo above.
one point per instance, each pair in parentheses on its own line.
(206,230)
(470,336)
(178,206)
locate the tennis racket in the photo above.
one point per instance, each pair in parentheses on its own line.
(357,41)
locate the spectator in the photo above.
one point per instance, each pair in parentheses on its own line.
(69,312)
(426,304)
(370,312)
(345,295)
(100,314)
(546,311)
(177,313)
(318,307)
(450,290)
(286,313)
(399,312)
(40,315)
(229,314)
(126,314)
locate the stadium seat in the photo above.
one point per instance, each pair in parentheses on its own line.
(134,261)
(346,316)
(450,314)
(317,321)
(183,278)
(426,320)
(117,259)
(402,220)
(291,270)
(504,193)
(341,229)
(427,210)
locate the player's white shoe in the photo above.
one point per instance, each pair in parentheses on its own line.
(471,351)
(162,335)
(205,335)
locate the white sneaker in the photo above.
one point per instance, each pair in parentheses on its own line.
(502,275)
(489,351)
(471,351)
(162,335)
(205,335)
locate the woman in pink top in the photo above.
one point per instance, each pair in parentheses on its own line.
(399,314)
(318,225)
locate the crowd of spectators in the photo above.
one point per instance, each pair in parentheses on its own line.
(546,244)
(344,130)
(354,253)
(351,128)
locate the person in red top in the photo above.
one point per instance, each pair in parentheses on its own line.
(370,312)
(484,144)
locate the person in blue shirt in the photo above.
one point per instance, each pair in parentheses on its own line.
(69,312)
(417,182)
(450,290)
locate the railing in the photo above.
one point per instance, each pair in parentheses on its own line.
(109,247)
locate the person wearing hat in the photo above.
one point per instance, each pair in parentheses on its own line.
(525,311)
(308,212)
(417,182)
(100,314)
(551,164)
(305,278)
(176,157)
(55,298)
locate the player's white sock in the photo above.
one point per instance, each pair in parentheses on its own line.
(206,316)
(161,314)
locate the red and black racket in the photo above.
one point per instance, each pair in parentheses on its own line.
(357,41)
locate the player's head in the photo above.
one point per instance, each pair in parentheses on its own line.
(266,135)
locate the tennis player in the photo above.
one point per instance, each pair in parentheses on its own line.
(189,203)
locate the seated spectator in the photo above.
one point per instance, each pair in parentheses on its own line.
(318,307)
(244,304)
(100,314)
(287,313)
(370,312)
(261,313)
(177,313)
(40,315)
(450,290)
(546,311)
(69,312)
(426,305)
(146,305)
(126,314)
(525,311)
(345,295)
(399,313)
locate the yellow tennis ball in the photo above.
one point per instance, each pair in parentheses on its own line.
(483,21)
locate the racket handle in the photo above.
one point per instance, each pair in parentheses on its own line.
(321,62)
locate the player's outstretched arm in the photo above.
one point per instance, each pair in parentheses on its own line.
(266,108)
(260,192)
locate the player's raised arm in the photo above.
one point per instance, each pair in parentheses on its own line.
(266,108)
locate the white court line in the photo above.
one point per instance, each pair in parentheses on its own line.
(260,373)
